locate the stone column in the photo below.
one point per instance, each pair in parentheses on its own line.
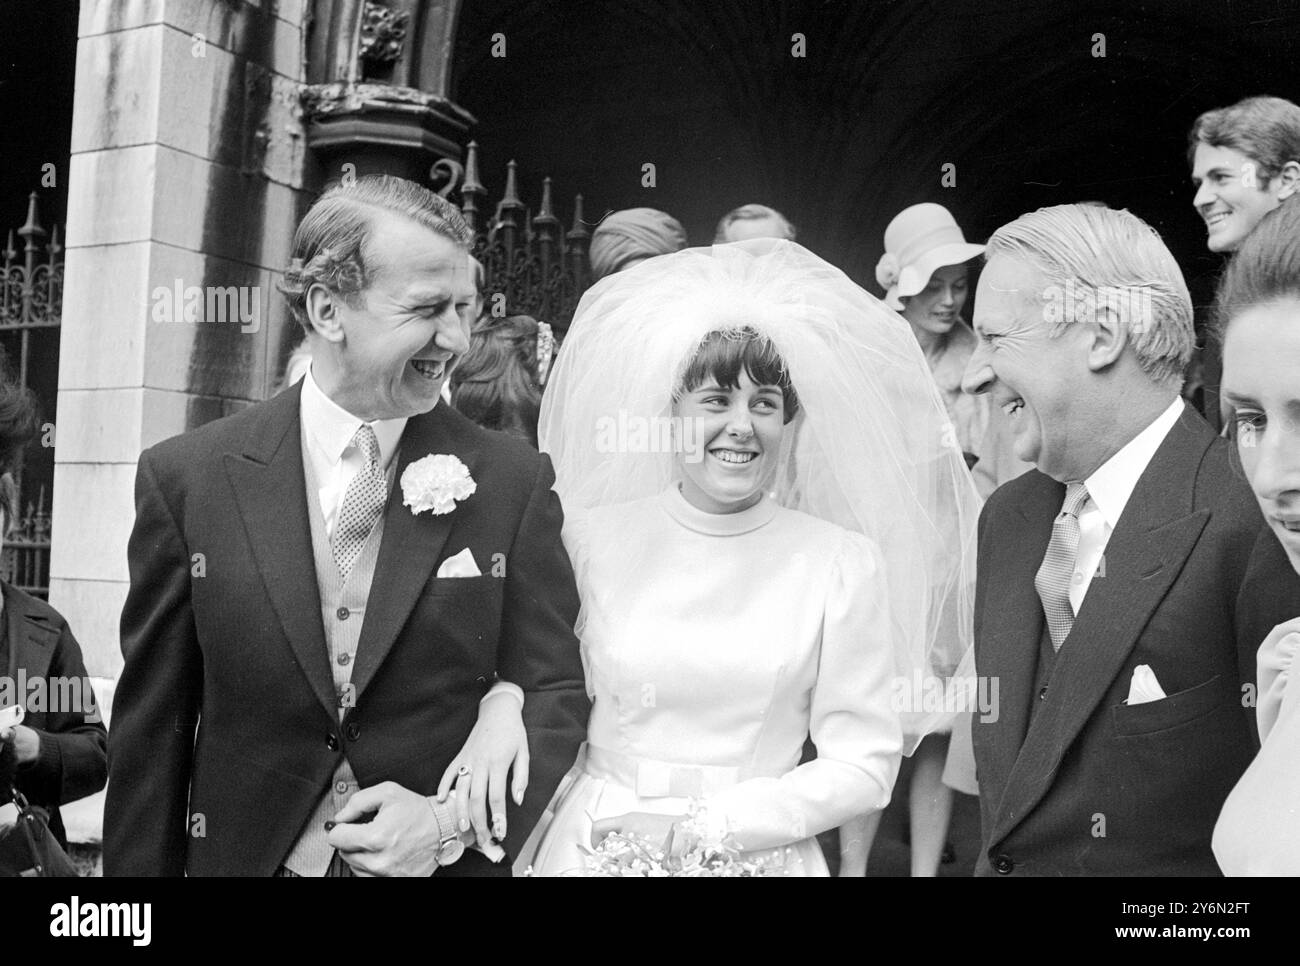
(191,165)
(185,186)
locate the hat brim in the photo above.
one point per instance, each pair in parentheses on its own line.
(915,277)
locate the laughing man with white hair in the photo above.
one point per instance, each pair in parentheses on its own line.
(1118,603)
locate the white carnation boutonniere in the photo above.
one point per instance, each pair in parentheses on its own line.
(435,483)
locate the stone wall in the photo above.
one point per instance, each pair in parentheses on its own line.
(186,179)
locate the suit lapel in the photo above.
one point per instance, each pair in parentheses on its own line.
(1012,621)
(412,543)
(271,493)
(31,641)
(1145,554)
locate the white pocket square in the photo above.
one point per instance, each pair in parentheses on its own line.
(1144,688)
(461,565)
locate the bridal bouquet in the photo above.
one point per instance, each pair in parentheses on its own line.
(706,855)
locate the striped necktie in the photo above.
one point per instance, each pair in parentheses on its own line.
(1053,579)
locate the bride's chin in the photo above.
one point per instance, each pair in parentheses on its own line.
(738,498)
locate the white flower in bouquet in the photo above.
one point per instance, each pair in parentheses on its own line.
(708,853)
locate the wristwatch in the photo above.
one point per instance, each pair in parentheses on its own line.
(450,847)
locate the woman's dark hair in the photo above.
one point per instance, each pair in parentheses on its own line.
(19,424)
(496,383)
(722,355)
(1265,268)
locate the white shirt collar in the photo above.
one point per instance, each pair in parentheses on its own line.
(1112,483)
(331,427)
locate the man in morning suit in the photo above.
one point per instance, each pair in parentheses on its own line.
(1117,602)
(306,654)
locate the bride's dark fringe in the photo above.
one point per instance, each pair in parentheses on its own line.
(722,355)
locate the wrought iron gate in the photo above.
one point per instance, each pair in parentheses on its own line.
(31,306)
(541,269)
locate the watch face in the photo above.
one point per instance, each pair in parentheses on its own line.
(451,851)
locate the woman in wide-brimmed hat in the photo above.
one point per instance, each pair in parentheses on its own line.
(924,273)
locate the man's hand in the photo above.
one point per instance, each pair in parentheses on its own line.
(8,818)
(26,742)
(401,840)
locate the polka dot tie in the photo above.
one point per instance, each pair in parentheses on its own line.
(363,503)
(1053,579)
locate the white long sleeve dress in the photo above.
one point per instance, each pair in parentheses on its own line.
(1258,832)
(714,645)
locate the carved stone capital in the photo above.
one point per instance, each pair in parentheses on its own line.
(383,127)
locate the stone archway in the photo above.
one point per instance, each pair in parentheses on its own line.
(1031,105)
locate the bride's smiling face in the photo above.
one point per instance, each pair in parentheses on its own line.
(739,430)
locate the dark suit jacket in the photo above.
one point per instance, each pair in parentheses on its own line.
(1095,786)
(73,758)
(225,729)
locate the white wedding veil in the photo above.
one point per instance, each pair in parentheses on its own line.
(871,448)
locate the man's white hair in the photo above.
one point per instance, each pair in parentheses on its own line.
(1094,257)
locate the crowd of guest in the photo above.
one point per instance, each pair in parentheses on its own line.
(1138,583)
(1245,165)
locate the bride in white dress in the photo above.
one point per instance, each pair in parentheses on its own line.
(760,487)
